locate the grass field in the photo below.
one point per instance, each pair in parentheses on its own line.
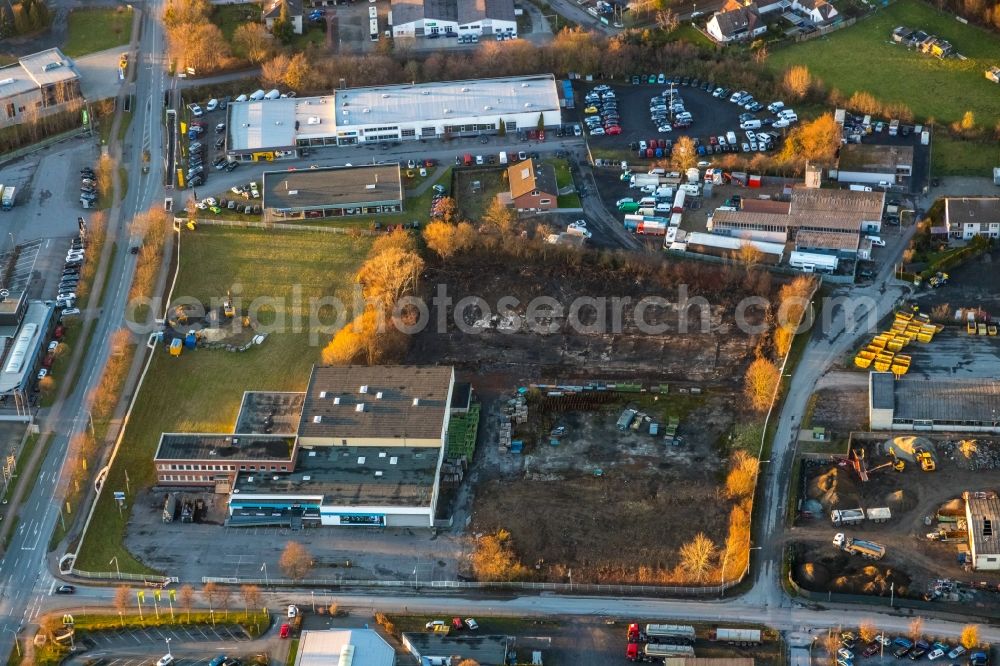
(953,157)
(863,57)
(201,390)
(93,30)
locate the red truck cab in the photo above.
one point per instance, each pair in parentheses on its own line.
(632,651)
(467,159)
(633,633)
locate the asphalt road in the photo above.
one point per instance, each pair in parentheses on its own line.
(25,581)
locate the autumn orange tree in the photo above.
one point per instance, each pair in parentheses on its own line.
(494,558)
(447,240)
(684,154)
(252,38)
(816,141)
(760,383)
(742,476)
(295,560)
(797,81)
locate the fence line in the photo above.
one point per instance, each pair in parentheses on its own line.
(114,575)
(281,226)
(826,30)
(562,588)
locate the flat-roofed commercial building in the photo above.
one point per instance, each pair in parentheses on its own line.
(417,18)
(274,129)
(951,405)
(354,647)
(38,85)
(333,192)
(214,460)
(361,446)
(872,164)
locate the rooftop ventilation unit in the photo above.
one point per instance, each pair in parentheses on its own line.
(385,95)
(361,460)
(524,85)
(7,81)
(487,107)
(527,105)
(306,477)
(315,120)
(378,472)
(465,90)
(367,111)
(447,110)
(381,454)
(393,460)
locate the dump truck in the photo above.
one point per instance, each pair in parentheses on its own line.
(880,514)
(926,461)
(662,633)
(867,549)
(737,636)
(847,516)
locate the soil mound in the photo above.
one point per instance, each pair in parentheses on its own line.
(813,576)
(871,580)
(835,489)
(899,501)
(955,507)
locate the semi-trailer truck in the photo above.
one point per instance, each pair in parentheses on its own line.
(672,632)
(656,651)
(867,549)
(847,516)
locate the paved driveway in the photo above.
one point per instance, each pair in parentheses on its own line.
(99,73)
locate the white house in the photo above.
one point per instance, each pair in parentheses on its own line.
(736,23)
(272,12)
(968,217)
(818,11)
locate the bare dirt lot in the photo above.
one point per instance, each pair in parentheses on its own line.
(609,342)
(917,500)
(626,524)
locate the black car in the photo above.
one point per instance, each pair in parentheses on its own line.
(917,653)
(195,181)
(219,162)
(65,589)
(232,165)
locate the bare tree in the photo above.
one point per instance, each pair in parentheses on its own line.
(667,20)
(916,628)
(225,594)
(122,595)
(295,560)
(251,597)
(697,556)
(211,593)
(186,596)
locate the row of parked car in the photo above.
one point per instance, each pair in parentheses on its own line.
(602,110)
(667,111)
(88,187)
(900,647)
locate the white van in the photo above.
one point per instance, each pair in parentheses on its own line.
(241,98)
(750,124)
(257,96)
(503,157)
(731,138)
(274,94)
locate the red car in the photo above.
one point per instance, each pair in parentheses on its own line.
(456,623)
(285,631)
(614,130)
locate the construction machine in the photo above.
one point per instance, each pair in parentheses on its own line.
(227,306)
(926,460)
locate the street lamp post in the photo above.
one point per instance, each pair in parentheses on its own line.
(168,647)
(263,567)
(117,570)
(17,643)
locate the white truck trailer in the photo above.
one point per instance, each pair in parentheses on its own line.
(812,262)
(880,514)
(847,516)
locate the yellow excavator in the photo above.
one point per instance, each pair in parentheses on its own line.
(227,306)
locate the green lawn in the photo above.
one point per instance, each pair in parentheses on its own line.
(230,17)
(863,57)
(93,30)
(201,390)
(953,157)
(688,33)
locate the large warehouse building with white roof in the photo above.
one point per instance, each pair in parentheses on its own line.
(272,129)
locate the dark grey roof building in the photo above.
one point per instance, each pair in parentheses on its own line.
(333,192)
(953,405)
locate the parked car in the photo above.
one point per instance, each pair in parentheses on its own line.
(65,589)
(957,652)
(435,623)
(285,631)
(165,660)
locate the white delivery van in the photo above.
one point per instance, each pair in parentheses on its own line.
(503,157)
(274,94)
(750,124)
(257,96)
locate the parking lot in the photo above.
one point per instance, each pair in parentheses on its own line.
(355,554)
(711,116)
(893,651)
